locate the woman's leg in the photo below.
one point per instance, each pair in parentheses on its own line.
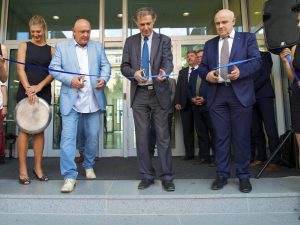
(22,143)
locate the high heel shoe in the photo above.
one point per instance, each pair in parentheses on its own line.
(42,178)
(24,181)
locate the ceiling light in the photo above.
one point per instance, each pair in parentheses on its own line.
(186,14)
(257,13)
(55,17)
(120,15)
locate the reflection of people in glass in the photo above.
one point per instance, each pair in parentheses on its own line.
(34,83)
(80,96)
(295,97)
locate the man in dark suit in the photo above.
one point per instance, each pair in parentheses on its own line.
(183,104)
(230,96)
(144,55)
(197,93)
(264,113)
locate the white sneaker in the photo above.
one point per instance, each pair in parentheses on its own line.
(90,174)
(68,186)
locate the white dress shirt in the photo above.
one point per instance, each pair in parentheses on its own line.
(230,41)
(190,71)
(86,101)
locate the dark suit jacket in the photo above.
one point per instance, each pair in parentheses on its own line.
(182,88)
(262,83)
(202,90)
(244,47)
(160,58)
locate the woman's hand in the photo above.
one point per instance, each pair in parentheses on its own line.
(284,53)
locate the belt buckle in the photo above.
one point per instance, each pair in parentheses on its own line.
(226,83)
(150,87)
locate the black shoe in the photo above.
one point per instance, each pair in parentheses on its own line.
(188,158)
(42,178)
(219,183)
(2,160)
(168,185)
(145,183)
(245,185)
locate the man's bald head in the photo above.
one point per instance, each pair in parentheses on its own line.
(224,22)
(82,31)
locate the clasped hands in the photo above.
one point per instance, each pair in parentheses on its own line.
(198,100)
(31,92)
(212,76)
(138,76)
(78,83)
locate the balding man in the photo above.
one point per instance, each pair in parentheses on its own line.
(230,96)
(80,96)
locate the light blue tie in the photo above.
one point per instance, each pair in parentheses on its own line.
(145,58)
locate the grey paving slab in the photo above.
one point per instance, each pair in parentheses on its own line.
(18,219)
(242,219)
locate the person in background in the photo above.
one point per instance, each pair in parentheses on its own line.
(184,105)
(197,93)
(264,115)
(34,83)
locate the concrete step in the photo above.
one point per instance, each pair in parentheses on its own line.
(212,219)
(120,199)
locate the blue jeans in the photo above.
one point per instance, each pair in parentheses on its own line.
(90,127)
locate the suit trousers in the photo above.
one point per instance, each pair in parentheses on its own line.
(264,114)
(187,120)
(144,106)
(205,133)
(90,125)
(231,124)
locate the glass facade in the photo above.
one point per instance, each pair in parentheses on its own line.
(235,6)
(178,18)
(255,13)
(113,18)
(59,15)
(185,22)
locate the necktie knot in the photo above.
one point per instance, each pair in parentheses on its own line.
(193,68)
(146,39)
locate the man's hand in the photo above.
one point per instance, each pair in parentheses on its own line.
(138,76)
(101,83)
(235,73)
(161,78)
(178,107)
(77,82)
(2,61)
(4,111)
(198,100)
(212,76)
(284,53)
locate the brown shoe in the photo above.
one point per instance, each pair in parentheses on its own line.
(80,159)
(257,163)
(272,167)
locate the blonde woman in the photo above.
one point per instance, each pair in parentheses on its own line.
(33,83)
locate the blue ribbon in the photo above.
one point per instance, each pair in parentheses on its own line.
(49,69)
(288,57)
(235,63)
